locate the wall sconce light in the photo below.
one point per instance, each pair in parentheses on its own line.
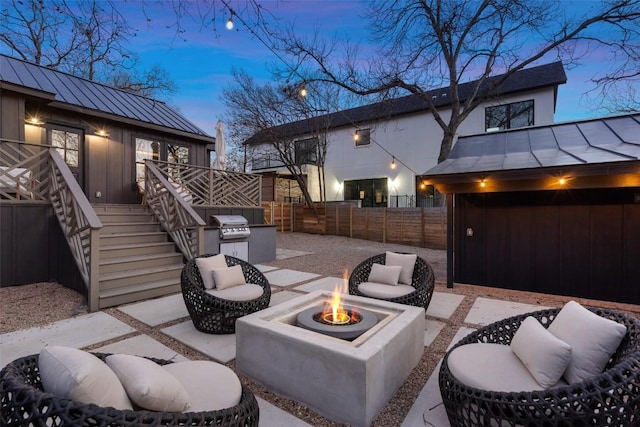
(102,132)
(339,186)
(303,91)
(229,24)
(34,120)
(562,181)
(483,183)
(393,162)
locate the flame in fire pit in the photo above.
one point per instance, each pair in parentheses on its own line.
(334,312)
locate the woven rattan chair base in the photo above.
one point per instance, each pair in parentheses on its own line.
(609,399)
(24,403)
(215,315)
(423,281)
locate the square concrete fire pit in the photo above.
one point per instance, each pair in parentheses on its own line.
(346,381)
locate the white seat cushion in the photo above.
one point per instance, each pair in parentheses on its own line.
(406,261)
(209,385)
(491,367)
(206,266)
(147,384)
(545,356)
(593,340)
(74,374)
(380,290)
(246,292)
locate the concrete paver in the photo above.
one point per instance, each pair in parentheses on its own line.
(485,310)
(157,311)
(78,332)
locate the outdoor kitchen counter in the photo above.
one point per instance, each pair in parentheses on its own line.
(261,242)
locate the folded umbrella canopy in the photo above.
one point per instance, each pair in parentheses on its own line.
(220,161)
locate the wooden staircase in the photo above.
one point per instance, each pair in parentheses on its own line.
(137,259)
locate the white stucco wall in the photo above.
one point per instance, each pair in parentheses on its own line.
(414,141)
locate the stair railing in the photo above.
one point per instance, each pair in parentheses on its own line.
(79,222)
(177,217)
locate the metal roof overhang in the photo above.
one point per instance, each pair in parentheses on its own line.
(579,176)
(133,122)
(596,153)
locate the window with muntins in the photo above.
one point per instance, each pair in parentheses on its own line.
(362,137)
(509,116)
(68,145)
(306,153)
(154,150)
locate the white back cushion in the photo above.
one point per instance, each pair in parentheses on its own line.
(206,266)
(593,340)
(545,356)
(246,292)
(385,274)
(147,384)
(77,375)
(406,261)
(228,277)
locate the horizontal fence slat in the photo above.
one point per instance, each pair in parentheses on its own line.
(422,227)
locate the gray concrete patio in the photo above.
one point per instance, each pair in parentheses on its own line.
(169,316)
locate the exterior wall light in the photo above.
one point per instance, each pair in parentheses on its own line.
(483,183)
(34,120)
(562,181)
(102,132)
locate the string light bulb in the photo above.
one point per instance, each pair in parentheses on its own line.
(303,91)
(229,24)
(393,162)
(356,136)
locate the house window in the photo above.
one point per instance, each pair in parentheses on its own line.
(509,116)
(306,153)
(370,192)
(154,150)
(362,137)
(68,145)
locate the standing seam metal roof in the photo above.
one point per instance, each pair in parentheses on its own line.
(602,140)
(84,93)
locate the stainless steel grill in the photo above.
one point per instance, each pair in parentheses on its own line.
(232,226)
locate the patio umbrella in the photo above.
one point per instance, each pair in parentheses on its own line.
(221,161)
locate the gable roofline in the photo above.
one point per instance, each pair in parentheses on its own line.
(69,92)
(547,75)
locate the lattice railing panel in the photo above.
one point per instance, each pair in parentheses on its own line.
(212,187)
(183,224)
(24,171)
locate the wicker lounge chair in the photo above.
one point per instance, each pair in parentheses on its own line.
(215,315)
(423,281)
(611,398)
(25,403)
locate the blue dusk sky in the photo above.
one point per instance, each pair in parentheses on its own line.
(201,58)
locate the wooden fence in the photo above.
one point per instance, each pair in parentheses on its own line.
(423,227)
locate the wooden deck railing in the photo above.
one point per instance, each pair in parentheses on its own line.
(79,222)
(24,171)
(177,217)
(213,187)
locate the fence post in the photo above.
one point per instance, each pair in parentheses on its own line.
(350,220)
(422,227)
(384,225)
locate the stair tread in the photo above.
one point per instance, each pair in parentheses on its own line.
(134,234)
(139,271)
(107,293)
(135,258)
(135,245)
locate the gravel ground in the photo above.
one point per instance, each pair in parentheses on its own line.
(39,304)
